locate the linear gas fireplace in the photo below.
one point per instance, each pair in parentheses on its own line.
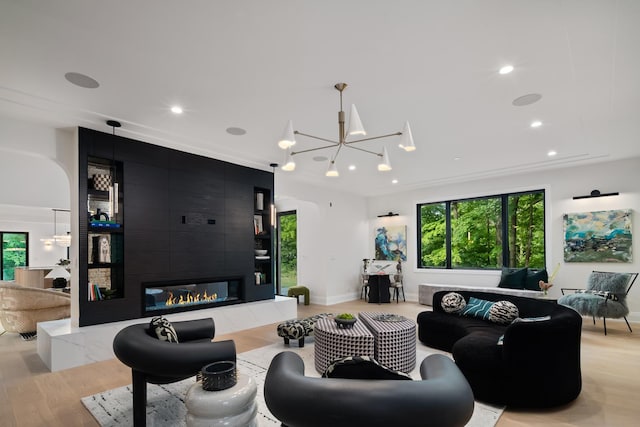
(175,296)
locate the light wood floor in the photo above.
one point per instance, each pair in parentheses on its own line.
(32,396)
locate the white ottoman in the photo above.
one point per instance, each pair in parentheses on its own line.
(233,407)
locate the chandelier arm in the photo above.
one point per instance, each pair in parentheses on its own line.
(363,150)
(373,137)
(293,153)
(337,152)
(317,137)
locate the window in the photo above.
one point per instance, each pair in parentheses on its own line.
(15,253)
(483,233)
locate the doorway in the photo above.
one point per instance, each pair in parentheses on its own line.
(287,262)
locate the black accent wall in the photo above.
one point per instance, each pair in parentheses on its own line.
(186,217)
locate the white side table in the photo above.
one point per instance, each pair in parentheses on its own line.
(233,407)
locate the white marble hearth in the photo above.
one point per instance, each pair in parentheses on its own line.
(62,346)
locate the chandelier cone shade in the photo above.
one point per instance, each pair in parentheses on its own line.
(355,129)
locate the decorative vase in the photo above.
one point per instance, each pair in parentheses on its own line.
(219,376)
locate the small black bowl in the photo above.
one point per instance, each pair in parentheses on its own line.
(345,323)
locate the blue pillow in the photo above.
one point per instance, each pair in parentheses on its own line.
(477,308)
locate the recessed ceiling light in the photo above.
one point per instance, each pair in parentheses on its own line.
(506,69)
(536,124)
(236,131)
(176,109)
(551,153)
(395,181)
(527,99)
(81,80)
(320,158)
(457,158)
(352,167)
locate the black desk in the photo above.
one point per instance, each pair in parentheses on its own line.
(379,288)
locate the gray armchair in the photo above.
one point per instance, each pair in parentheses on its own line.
(605,296)
(442,398)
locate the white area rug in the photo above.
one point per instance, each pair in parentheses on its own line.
(165,403)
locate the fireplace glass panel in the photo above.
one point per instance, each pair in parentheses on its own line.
(185,296)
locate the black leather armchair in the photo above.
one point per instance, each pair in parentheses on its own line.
(161,362)
(442,398)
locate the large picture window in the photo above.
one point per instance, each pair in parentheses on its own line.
(504,230)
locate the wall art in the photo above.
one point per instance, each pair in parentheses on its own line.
(391,243)
(603,236)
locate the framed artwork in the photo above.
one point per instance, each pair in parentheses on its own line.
(603,236)
(391,243)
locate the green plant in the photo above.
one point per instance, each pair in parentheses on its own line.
(345,316)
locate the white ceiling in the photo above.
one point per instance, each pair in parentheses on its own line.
(255,64)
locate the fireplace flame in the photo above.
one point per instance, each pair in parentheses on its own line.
(190,299)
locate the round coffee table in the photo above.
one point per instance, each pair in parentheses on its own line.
(333,343)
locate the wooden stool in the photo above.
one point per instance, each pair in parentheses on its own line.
(296,291)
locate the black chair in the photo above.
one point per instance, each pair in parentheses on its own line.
(442,398)
(161,362)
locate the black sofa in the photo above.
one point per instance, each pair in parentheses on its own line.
(537,364)
(442,398)
(162,362)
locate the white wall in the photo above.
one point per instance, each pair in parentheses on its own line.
(560,185)
(332,238)
(33,182)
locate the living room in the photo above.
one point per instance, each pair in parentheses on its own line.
(337,220)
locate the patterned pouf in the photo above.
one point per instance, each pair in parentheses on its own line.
(298,329)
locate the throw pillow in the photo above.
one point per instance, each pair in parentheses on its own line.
(163,329)
(533,278)
(453,302)
(512,278)
(477,308)
(362,368)
(615,283)
(503,312)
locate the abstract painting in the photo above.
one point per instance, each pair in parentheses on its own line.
(391,243)
(603,236)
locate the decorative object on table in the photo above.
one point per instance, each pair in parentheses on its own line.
(59,275)
(602,236)
(345,320)
(355,128)
(391,243)
(219,375)
(389,318)
(544,286)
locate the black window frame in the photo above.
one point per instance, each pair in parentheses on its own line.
(2,233)
(505,224)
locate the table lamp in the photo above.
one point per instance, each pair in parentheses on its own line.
(59,275)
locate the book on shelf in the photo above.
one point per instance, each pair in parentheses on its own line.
(257,224)
(104,224)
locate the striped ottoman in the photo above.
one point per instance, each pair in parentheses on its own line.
(395,340)
(333,343)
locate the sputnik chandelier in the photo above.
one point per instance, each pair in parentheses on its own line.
(355,128)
